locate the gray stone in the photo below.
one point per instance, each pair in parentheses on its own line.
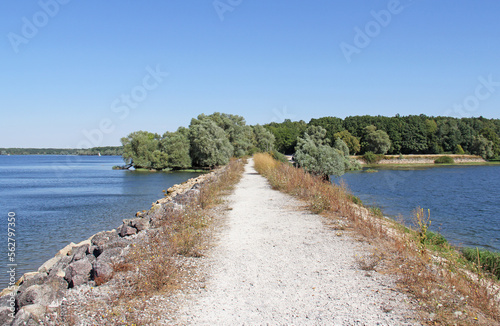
(59,269)
(79,252)
(103,266)
(47,266)
(33,279)
(140,224)
(125,230)
(103,237)
(78,272)
(7,309)
(91,258)
(29,315)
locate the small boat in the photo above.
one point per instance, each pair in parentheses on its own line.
(99,154)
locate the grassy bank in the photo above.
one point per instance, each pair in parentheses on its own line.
(159,263)
(449,288)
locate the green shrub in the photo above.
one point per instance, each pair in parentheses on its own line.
(444,160)
(372,158)
(279,156)
(459,150)
(355,200)
(489,260)
(435,238)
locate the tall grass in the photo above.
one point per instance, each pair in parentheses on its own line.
(449,290)
(155,265)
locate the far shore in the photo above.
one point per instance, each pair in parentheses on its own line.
(425,160)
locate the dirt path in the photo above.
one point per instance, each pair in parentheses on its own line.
(277,264)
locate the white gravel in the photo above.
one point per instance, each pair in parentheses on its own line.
(277,264)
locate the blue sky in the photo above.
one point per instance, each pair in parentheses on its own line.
(80,73)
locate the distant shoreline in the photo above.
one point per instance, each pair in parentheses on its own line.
(424,159)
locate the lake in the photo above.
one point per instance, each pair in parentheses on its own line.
(63,199)
(464,200)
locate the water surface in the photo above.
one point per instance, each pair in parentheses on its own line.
(464,200)
(63,199)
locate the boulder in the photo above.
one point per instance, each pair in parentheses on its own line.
(59,269)
(7,309)
(66,251)
(51,290)
(29,315)
(118,243)
(47,266)
(103,266)
(79,252)
(103,237)
(78,272)
(140,224)
(125,230)
(30,279)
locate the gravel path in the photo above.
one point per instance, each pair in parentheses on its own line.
(277,264)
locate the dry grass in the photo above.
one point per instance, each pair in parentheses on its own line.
(449,290)
(153,266)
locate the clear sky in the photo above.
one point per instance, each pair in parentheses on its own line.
(79,73)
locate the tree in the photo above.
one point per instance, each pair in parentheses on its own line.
(237,132)
(141,150)
(286,134)
(483,147)
(351,141)
(210,146)
(263,139)
(176,145)
(332,125)
(315,156)
(341,146)
(377,140)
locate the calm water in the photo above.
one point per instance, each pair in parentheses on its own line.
(63,199)
(464,200)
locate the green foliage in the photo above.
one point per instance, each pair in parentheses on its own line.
(351,141)
(434,238)
(341,146)
(482,147)
(459,150)
(444,160)
(372,158)
(377,141)
(286,134)
(489,261)
(141,149)
(316,157)
(103,150)
(332,126)
(210,146)
(263,139)
(238,133)
(279,157)
(176,145)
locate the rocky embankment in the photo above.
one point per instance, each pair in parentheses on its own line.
(89,262)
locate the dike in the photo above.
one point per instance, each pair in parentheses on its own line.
(423,159)
(38,293)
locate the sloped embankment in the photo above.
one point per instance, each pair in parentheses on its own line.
(91,262)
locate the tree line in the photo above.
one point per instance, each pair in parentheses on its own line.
(398,135)
(209,141)
(105,150)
